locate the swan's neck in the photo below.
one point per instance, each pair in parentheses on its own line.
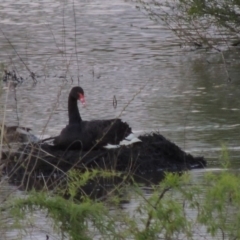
(73,112)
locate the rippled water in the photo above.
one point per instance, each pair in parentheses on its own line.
(112,49)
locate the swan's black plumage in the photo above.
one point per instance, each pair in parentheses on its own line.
(75,94)
(86,135)
(154,153)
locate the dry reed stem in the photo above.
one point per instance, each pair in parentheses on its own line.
(52,111)
(3,122)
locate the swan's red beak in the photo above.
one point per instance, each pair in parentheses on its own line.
(82,99)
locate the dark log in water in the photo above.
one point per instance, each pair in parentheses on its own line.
(154,154)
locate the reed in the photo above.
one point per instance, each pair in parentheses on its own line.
(3,122)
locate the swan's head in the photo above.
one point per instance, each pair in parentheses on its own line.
(78,94)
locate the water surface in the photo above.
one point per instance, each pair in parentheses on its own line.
(112,49)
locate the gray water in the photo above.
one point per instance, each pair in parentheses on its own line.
(112,49)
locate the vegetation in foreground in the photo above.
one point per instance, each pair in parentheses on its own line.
(176,208)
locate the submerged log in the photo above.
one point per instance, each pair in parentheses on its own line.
(154,154)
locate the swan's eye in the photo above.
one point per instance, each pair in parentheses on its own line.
(81,98)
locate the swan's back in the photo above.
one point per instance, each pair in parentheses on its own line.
(104,132)
(69,138)
(92,134)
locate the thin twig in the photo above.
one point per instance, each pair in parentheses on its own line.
(75,33)
(31,73)
(155,205)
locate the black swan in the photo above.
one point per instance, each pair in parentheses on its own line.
(95,134)
(43,163)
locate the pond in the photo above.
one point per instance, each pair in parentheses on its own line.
(112,49)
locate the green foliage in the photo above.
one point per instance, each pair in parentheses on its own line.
(221,204)
(196,21)
(76,180)
(222,11)
(224,158)
(68,216)
(165,214)
(160,213)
